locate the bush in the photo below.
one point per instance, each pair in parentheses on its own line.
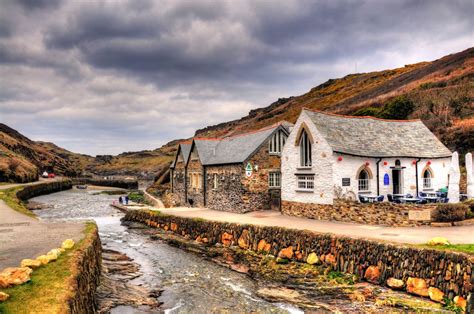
(136,197)
(450,212)
(470,210)
(397,109)
(368,111)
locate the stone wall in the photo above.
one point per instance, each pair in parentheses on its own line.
(228,194)
(34,190)
(124,184)
(384,213)
(86,275)
(179,184)
(450,272)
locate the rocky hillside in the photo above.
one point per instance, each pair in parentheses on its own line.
(22,160)
(441,93)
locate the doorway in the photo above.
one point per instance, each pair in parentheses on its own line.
(397,180)
(275,199)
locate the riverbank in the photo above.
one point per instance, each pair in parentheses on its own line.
(66,285)
(446,273)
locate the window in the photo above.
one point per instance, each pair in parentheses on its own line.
(364,180)
(277,142)
(427,179)
(274,179)
(306,182)
(215,182)
(305,150)
(195,180)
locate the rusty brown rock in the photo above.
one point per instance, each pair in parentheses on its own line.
(330,259)
(198,239)
(435,294)
(13,276)
(227,239)
(3,296)
(286,253)
(174,226)
(417,286)
(461,302)
(263,246)
(372,274)
(244,239)
(395,283)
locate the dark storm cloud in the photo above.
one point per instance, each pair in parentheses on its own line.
(144,72)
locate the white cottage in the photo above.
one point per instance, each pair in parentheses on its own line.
(330,156)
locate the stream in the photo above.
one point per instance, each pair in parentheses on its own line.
(187,282)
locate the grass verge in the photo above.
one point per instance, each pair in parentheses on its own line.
(51,285)
(464,248)
(10,198)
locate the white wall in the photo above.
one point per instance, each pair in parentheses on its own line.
(322,167)
(349,165)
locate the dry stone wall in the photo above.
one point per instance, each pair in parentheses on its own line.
(450,272)
(30,191)
(87,272)
(179,184)
(227,196)
(384,213)
(123,184)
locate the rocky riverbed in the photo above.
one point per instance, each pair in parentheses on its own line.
(147,270)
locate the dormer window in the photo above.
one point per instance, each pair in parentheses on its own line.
(305,150)
(277,142)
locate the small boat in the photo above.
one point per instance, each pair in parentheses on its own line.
(81,187)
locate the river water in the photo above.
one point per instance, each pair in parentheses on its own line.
(189,283)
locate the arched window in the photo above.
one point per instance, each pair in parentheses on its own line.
(427,175)
(305,150)
(364,180)
(277,142)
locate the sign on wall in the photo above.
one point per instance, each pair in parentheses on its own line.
(346,181)
(248,170)
(386,179)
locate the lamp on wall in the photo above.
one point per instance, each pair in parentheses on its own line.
(429,162)
(367,163)
(339,158)
(413,162)
(385,163)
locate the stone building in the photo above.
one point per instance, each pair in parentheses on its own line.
(178,172)
(238,173)
(329,156)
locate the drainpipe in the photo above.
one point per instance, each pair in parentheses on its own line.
(204,184)
(378,176)
(171,179)
(416,174)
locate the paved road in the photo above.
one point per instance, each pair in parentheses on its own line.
(414,235)
(25,237)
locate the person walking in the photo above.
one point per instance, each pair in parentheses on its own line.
(120,200)
(126,200)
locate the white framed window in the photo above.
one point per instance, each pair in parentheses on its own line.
(305,182)
(427,175)
(364,181)
(305,150)
(215,181)
(277,142)
(274,179)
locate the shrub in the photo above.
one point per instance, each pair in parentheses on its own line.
(450,212)
(398,108)
(470,210)
(368,111)
(136,197)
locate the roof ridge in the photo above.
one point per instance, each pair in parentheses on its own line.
(271,126)
(358,117)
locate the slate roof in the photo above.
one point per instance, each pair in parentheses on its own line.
(184,150)
(372,137)
(233,149)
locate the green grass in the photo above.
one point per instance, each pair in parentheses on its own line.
(464,248)
(50,285)
(10,198)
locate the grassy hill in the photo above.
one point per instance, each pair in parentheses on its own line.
(441,93)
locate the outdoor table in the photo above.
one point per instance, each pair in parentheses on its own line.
(371,198)
(431,194)
(432,199)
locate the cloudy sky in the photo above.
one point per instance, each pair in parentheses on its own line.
(104,77)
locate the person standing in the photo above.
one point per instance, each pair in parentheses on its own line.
(120,200)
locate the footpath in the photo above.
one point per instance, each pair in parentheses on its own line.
(412,235)
(26,237)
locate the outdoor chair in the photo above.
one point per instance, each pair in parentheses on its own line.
(391,199)
(444,200)
(409,195)
(363,199)
(422,201)
(380,198)
(422,195)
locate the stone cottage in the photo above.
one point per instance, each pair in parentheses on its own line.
(238,173)
(178,172)
(329,156)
